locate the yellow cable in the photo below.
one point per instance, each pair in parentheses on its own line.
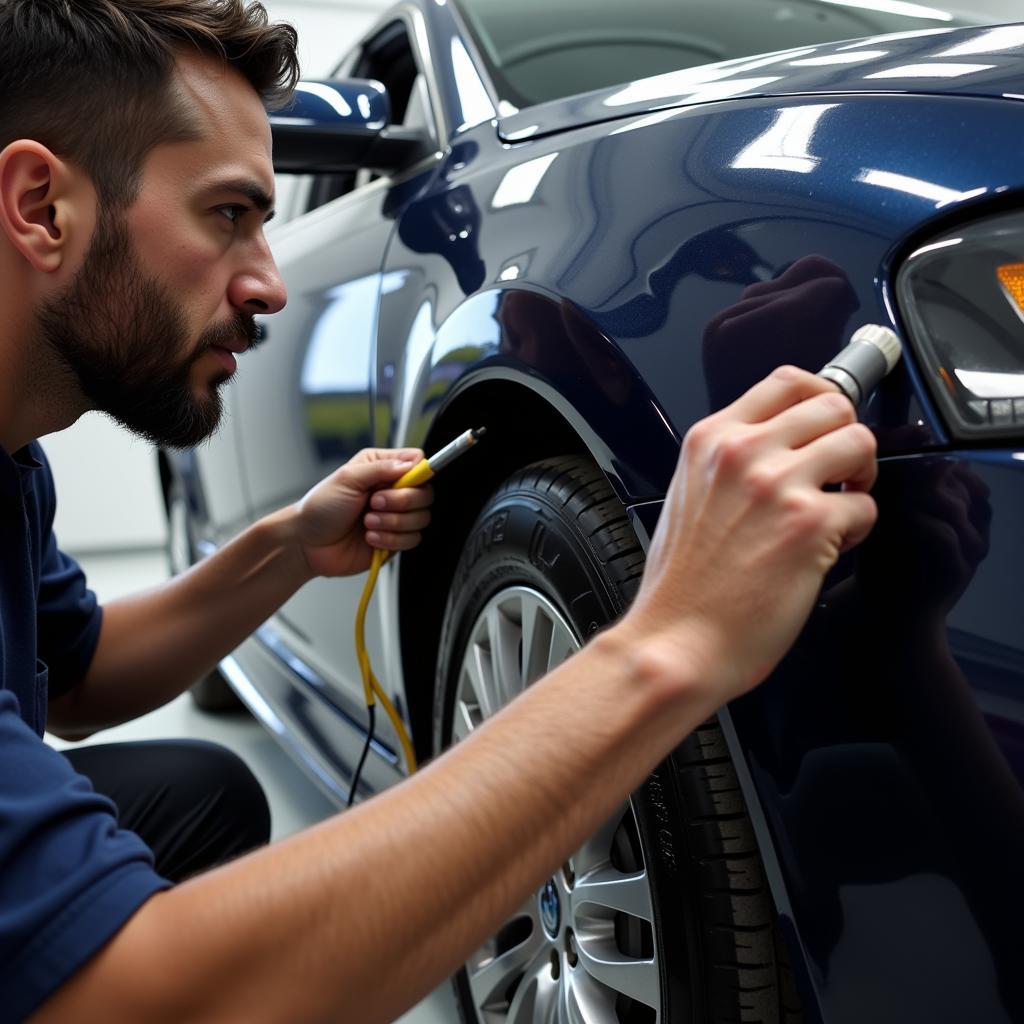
(419,474)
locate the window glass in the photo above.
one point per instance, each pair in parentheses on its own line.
(536,50)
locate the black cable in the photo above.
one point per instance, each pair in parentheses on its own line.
(362,760)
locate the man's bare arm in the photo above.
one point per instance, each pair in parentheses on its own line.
(154,645)
(359,917)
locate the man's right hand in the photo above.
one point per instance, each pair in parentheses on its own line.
(748,532)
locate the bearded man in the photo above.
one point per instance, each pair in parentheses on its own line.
(135,181)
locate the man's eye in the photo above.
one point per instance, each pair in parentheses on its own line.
(233,213)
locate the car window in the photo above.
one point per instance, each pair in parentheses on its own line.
(387,57)
(536,50)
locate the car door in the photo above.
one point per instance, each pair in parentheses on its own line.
(308,401)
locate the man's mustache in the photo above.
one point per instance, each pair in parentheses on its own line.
(241,327)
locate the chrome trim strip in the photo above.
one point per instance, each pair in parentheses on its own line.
(265,714)
(276,645)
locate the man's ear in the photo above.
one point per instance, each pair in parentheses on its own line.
(37,211)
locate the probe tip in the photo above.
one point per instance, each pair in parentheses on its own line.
(478,432)
(883,339)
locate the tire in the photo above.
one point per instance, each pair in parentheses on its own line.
(553,549)
(211,693)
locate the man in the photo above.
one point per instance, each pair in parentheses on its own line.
(135,179)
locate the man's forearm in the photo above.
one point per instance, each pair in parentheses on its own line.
(153,645)
(360,917)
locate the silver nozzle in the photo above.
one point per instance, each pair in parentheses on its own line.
(857,370)
(455,448)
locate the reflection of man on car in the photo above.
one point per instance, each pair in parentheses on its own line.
(912,760)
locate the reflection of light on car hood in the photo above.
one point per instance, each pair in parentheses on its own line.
(895,7)
(698,80)
(785,145)
(931,71)
(521,182)
(942,195)
(993,40)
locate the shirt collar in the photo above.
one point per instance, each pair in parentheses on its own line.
(17,471)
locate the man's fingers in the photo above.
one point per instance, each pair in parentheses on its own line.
(404,499)
(396,522)
(392,541)
(778,391)
(808,420)
(855,513)
(387,455)
(842,456)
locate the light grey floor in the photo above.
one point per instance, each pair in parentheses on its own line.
(295,802)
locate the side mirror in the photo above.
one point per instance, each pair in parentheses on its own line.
(342,125)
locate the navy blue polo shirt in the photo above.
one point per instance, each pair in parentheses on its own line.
(69,877)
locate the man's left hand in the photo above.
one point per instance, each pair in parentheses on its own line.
(341,520)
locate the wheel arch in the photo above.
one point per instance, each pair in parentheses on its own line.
(527,419)
(522,427)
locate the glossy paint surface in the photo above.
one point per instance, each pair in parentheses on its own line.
(611,278)
(647,273)
(966,62)
(888,754)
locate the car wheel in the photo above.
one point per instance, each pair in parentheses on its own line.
(664,913)
(212,692)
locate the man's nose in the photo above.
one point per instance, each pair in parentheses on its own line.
(259,289)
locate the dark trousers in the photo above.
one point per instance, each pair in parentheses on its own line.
(194,804)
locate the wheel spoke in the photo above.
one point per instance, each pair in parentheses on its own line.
(600,958)
(503,638)
(481,678)
(571,1012)
(595,851)
(535,999)
(537,629)
(562,645)
(612,890)
(465,719)
(490,982)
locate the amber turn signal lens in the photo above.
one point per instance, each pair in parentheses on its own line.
(1011,277)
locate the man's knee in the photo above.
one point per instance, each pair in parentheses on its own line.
(223,776)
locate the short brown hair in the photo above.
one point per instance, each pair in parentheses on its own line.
(93,79)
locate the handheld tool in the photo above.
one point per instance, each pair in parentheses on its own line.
(859,368)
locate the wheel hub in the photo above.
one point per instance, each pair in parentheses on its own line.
(550,909)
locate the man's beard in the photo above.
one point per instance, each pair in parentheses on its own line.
(126,341)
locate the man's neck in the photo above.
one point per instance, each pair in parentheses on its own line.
(38,394)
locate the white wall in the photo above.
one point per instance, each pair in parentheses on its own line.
(107,482)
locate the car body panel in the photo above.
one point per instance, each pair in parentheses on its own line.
(883,761)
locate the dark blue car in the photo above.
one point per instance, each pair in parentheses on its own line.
(585,227)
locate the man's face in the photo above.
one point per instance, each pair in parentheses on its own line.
(164,299)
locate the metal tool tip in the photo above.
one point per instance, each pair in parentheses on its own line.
(478,432)
(885,340)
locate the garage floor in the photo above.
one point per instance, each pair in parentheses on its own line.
(294,801)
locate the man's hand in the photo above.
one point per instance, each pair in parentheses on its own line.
(747,532)
(337,532)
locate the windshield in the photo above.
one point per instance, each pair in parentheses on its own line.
(537,50)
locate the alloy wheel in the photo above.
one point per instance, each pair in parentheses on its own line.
(581,949)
